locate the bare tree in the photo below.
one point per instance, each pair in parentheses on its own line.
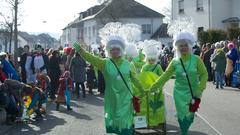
(8,31)
(167,12)
(14,4)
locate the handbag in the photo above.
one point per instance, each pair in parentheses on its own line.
(195,102)
(135,99)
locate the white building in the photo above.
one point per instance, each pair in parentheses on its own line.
(85,28)
(4,42)
(208,14)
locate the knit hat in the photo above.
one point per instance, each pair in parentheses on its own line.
(231,45)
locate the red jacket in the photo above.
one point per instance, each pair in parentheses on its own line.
(62,86)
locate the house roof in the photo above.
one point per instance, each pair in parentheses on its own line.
(118,9)
(161,32)
(127,9)
(231,19)
(29,38)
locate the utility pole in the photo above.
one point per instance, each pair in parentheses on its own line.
(15,29)
(10,39)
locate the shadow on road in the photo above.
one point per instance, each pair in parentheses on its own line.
(96,100)
(36,127)
(77,115)
(230,89)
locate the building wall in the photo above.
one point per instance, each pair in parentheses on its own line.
(69,37)
(92,26)
(200,18)
(212,15)
(72,36)
(155,23)
(64,40)
(235,8)
(90,31)
(220,10)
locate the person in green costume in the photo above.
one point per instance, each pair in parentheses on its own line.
(139,61)
(151,52)
(197,74)
(118,108)
(152,104)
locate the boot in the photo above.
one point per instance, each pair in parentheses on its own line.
(69,108)
(38,116)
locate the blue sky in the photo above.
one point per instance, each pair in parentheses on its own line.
(58,13)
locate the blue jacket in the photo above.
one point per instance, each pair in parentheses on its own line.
(233,55)
(9,70)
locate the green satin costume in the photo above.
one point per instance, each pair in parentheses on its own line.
(198,78)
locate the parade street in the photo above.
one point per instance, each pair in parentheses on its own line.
(87,118)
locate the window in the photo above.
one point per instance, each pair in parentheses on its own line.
(85,31)
(146,28)
(199,5)
(181,6)
(89,33)
(200,29)
(94,31)
(234,25)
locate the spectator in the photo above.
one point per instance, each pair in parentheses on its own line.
(7,68)
(225,48)
(232,57)
(65,86)
(78,73)
(69,57)
(54,73)
(220,59)
(206,60)
(22,63)
(196,50)
(27,70)
(40,61)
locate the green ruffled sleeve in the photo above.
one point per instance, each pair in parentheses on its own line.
(97,62)
(160,70)
(203,75)
(163,78)
(134,79)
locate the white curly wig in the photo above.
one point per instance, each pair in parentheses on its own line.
(115,42)
(183,38)
(131,50)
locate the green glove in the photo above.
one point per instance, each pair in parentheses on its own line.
(77,47)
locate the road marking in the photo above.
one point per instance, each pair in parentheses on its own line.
(201,117)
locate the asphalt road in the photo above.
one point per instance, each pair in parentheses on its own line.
(219,108)
(219,114)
